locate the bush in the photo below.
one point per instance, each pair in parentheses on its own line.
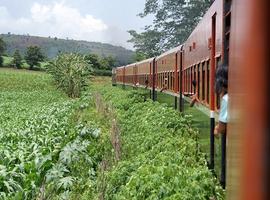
(70,72)
(160,155)
(101,72)
(1,61)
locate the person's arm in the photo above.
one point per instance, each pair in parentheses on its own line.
(220,128)
(194,99)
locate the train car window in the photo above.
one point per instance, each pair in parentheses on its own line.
(191,78)
(203,81)
(218,62)
(194,78)
(208,81)
(194,45)
(185,80)
(178,83)
(159,80)
(172,85)
(171,80)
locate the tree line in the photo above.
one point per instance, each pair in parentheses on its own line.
(34,56)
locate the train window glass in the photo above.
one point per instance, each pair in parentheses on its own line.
(203,81)
(208,81)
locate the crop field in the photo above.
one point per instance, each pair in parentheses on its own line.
(41,137)
(108,144)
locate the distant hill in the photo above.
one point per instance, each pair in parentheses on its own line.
(52,46)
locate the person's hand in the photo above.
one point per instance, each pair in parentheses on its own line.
(216,132)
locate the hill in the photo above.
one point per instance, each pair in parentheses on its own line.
(52,46)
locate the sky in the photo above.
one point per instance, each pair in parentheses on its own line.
(91,20)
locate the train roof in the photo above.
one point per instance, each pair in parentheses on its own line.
(145,61)
(174,50)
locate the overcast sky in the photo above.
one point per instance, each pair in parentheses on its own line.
(91,20)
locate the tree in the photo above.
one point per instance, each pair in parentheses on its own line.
(108,63)
(173,22)
(147,43)
(34,56)
(2,50)
(93,60)
(17,59)
(139,56)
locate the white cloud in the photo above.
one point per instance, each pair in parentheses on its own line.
(55,19)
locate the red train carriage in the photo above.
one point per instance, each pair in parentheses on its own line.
(129,74)
(167,71)
(120,75)
(144,72)
(202,54)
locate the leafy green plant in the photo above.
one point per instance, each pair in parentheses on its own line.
(70,72)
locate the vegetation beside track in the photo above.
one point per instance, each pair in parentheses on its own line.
(160,155)
(109,144)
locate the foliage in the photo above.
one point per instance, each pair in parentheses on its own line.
(50,145)
(160,155)
(70,72)
(139,56)
(33,56)
(2,50)
(17,59)
(93,59)
(2,46)
(173,22)
(100,63)
(146,43)
(52,46)
(101,72)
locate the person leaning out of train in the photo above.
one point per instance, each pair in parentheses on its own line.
(165,85)
(146,83)
(194,97)
(222,89)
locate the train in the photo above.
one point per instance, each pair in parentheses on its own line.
(232,33)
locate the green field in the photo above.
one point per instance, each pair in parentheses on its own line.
(110,143)
(45,138)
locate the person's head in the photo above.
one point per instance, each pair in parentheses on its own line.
(194,83)
(221,83)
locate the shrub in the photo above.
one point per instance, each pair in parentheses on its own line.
(70,72)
